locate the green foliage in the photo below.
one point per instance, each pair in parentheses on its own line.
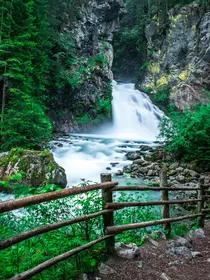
(187,134)
(32,252)
(25,125)
(23,69)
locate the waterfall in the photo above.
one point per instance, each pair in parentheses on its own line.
(134,115)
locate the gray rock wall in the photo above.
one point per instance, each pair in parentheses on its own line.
(93,33)
(179,55)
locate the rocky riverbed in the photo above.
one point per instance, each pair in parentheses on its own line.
(148,161)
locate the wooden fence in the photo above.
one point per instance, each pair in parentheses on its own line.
(110,230)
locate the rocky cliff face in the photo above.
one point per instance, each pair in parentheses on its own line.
(89,99)
(179,55)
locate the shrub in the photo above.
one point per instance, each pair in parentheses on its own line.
(187,134)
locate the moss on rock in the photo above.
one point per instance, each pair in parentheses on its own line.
(37,168)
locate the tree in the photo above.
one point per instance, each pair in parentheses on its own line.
(23,70)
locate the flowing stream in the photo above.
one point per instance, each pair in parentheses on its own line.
(135,123)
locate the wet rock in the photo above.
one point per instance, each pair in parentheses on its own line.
(119,173)
(126,250)
(144,148)
(198,233)
(138,161)
(113,164)
(133,155)
(105,269)
(108,168)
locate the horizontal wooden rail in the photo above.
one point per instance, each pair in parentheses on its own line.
(148,203)
(206,210)
(37,199)
(136,188)
(40,230)
(206,196)
(37,269)
(120,229)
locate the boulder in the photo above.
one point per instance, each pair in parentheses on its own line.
(133,155)
(105,269)
(183,251)
(36,168)
(198,233)
(144,148)
(180,246)
(126,250)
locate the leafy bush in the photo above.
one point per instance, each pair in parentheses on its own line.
(187,134)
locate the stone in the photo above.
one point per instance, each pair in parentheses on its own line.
(180,246)
(177,262)
(180,178)
(139,264)
(157,234)
(196,254)
(83,276)
(144,148)
(183,251)
(119,173)
(180,241)
(105,269)
(165,277)
(138,161)
(198,233)
(150,172)
(126,250)
(148,239)
(133,155)
(175,165)
(208,260)
(108,168)
(38,168)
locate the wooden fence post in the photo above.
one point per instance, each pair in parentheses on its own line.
(109,217)
(164,196)
(201,219)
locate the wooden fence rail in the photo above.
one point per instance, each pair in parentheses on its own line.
(110,230)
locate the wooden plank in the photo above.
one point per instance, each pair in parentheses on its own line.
(120,229)
(39,268)
(164,197)
(137,188)
(108,218)
(201,219)
(148,203)
(205,210)
(37,199)
(46,228)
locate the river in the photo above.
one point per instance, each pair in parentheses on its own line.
(135,123)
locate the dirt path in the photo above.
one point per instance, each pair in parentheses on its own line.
(158,265)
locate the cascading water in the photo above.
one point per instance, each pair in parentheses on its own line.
(134,115)
(135,122)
